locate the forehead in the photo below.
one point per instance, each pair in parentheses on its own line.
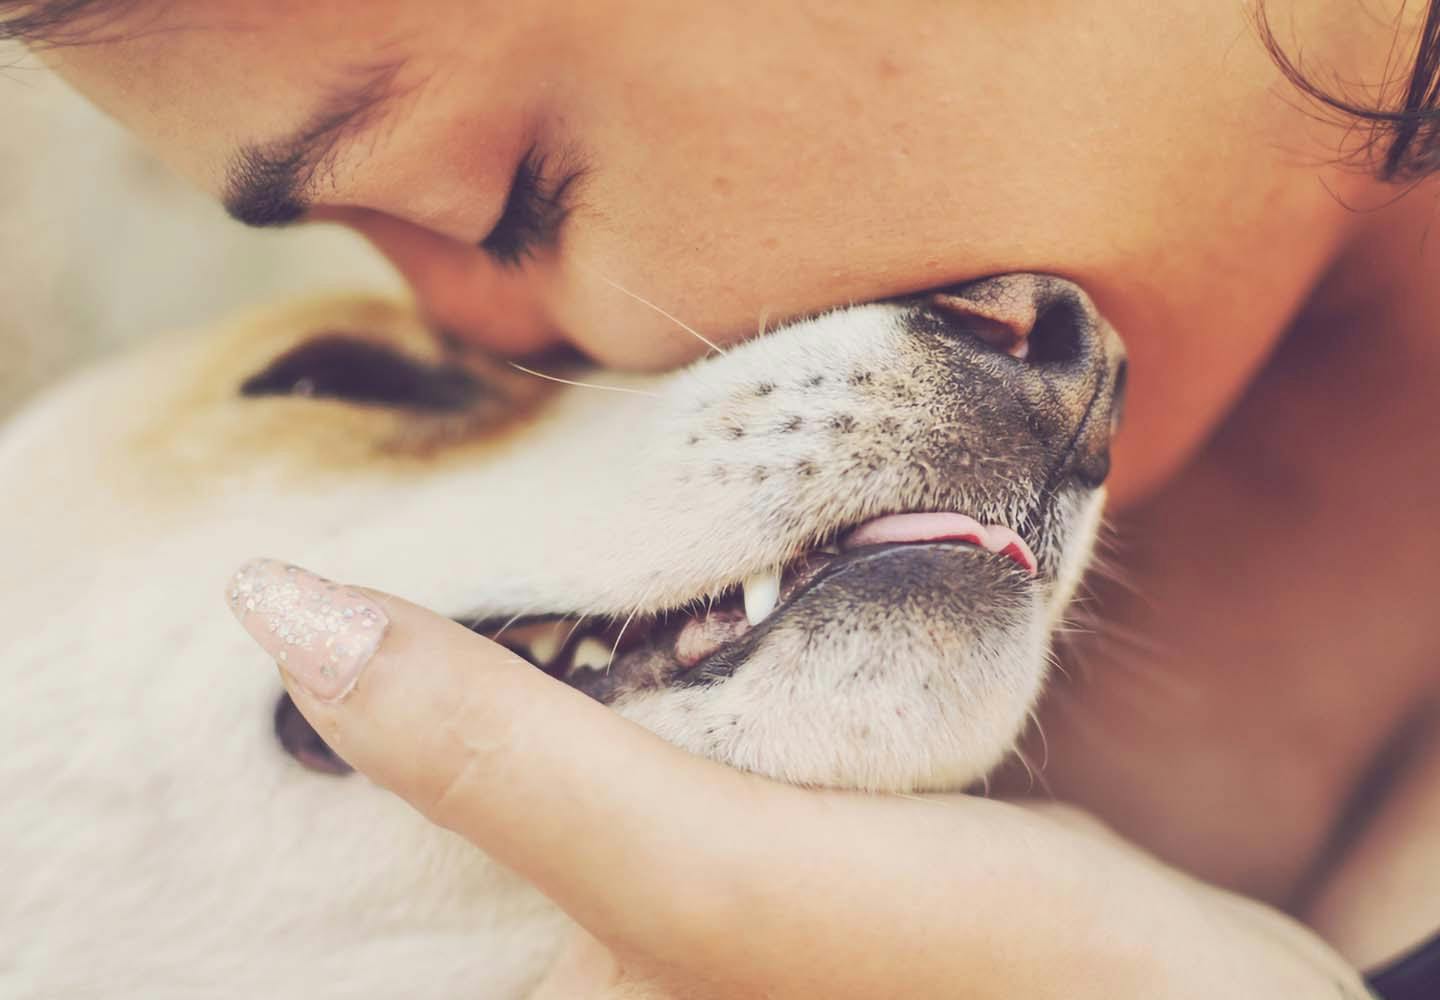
(196,79)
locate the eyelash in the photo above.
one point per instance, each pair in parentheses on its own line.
(535,209)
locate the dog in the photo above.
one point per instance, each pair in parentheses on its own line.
(833,555)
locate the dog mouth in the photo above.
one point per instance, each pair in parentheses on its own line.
(702,641)
(606,657)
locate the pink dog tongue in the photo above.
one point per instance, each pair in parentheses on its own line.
(941,527)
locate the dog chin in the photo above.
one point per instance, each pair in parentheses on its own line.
(883,666)
(909,668)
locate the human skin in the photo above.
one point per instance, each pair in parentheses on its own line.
(748,163)
(693,881)
(751,162)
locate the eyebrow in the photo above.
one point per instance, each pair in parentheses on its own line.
(272,183)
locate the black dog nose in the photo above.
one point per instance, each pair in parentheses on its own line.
(1069,364)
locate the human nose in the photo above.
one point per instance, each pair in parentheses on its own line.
(459,288)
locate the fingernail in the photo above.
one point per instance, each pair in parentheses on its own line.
(320,633)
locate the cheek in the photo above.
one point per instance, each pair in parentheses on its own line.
(661,277)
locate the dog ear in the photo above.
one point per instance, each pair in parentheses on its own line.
(351,369)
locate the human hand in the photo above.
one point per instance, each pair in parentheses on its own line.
(691,880)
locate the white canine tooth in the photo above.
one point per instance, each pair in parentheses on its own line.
(590,654)
(544,646)
(762,592)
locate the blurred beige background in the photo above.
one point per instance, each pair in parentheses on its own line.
(100,246)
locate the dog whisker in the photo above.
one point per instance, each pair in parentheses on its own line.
(501,631)
(1035,775)
(618,638)
(1103,569)
(1044,741)
(583,385)
(1108,633)
(1057,664)
(651,305)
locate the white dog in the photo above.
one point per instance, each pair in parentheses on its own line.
(832,555)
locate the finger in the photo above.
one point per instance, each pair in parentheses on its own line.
(689,871)
(599,814)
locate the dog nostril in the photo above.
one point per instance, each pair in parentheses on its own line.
(1057,337)
(302,742)
(996,335)
(959,315)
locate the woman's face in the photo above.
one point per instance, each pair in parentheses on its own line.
(737,164)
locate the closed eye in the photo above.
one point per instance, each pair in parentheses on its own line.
(535,209)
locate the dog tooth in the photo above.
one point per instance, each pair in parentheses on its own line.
(762,592)
(590,654)
(544,647)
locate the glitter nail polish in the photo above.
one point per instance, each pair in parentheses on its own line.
(320,633)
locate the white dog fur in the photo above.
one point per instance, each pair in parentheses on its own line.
(158,843)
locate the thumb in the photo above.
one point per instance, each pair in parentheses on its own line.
(602,816)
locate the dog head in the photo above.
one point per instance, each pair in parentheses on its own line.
(833,555)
